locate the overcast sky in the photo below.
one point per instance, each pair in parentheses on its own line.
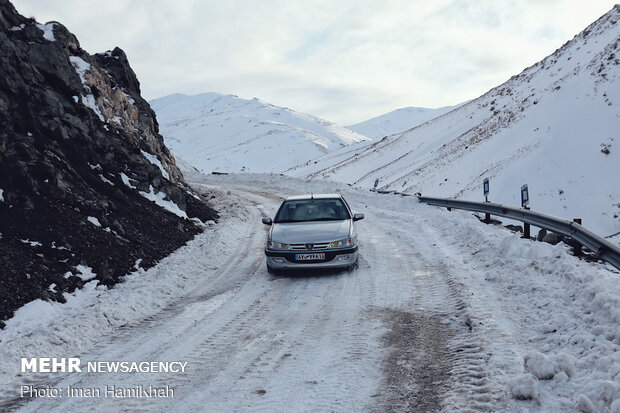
(345,61)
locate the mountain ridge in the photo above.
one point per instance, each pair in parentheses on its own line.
(244,135)
(398,121)
(546,126)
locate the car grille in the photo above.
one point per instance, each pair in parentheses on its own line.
(314,246)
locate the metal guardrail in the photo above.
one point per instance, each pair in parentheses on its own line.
(602,247)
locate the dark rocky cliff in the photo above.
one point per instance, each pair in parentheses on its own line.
(79,150)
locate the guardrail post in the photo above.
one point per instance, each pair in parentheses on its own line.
(487,216)
(576,245)
(525,200)
(526,228)
(486,190)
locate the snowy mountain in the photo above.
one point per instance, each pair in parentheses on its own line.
(554,127)
(216,132)
(397,121)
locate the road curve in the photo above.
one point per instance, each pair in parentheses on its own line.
(394,334)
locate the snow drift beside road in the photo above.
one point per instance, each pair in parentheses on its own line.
(531,300)
(543,324)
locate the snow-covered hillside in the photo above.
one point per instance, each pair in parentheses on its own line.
(217,132)
(397,121)
(555,126)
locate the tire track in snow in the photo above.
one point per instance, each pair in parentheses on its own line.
(297,363)
(322,317)
(156,337)
(416,367)
(389,336)
(472,387)
(438,294)
(475,386)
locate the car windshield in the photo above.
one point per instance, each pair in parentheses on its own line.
(301,210)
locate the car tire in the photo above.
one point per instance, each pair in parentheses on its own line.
(272,271)
(353,266)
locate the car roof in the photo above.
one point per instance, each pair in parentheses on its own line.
(314,196)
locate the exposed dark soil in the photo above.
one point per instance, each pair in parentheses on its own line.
(417,369)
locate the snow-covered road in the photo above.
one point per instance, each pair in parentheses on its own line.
(441,313)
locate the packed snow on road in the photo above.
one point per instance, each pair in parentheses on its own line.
(442,312)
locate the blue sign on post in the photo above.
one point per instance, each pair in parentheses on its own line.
(525,196)
(485,186)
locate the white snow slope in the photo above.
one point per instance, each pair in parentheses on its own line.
(224,133)
(442,313)
(548,127)
(397,121)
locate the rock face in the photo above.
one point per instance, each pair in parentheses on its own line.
(80,152)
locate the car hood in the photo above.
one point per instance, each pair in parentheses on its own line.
(316,231)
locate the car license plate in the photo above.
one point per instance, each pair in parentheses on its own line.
(310,257)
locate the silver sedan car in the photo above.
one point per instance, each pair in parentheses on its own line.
(312,231)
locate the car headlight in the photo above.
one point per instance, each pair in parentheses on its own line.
(347,242)
(277,245)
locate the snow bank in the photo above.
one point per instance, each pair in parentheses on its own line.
(516,247)
(585,405)
(51,328)
(525,387)
(565,312)
(539,365)
(36,314)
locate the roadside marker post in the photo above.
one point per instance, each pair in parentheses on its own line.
(576,245)
(485,189)
(525,200)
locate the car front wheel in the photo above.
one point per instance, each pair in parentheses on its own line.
(272,271)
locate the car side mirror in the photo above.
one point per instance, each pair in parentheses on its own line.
(357,216)
(267,221)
